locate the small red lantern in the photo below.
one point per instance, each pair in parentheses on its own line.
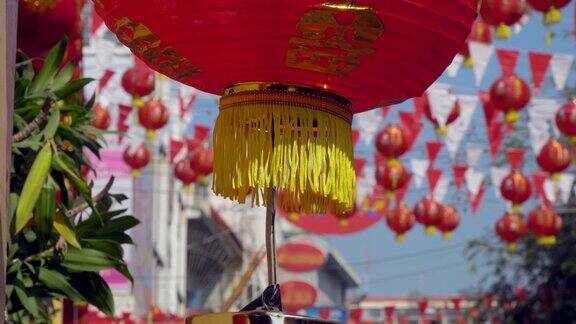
(137,159)
(510,228)
(502,14)
(545,224)
(428,213)
(516,188)
(153,115)
(392,141)
(202,159)
(550,8)
(138,81)
(510,94)
(184,171)
(400,220)
(566,120)
(392,176)
(480,33)
(449,221)
(100,117)
(454,114)
(554,157)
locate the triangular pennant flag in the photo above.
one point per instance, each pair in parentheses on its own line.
(122,125)
(433,177)
(420,105)
(473,154)
(497,174)
(495,137)
(538,180)
(97,22)
(355,136)
(458,129)
(419,167)
(566,183)
(539,63)
(508,60)
(365,183)
(551,191)
(453,69)
(480,54)
(476,200)
(201,132)
(368,123)
(104,79)
(176,146)
(490,112)
(401,193)
(560,66)
(515,156)
(441,105)
(433,148)
(441,189)
(474,180)
(359,164)
(459,171)
(412,127)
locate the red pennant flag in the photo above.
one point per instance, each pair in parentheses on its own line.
(122,125)
(359,164)
(389,310)
(420,106)
(401,193)
(538,179)
(406,118)
(490,113)
(175,148)
(410,125)
(104,80)
(201,132)
(185,106)
(475,201)
(539,63)
(192,144)
(96,22)
(422,306)
(459,173)
(384,111)
(515,156)
(433,177)
(355,136)
(508,60)
(433,148)
(495,137)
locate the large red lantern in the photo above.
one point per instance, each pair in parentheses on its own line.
(138,81)
(566,120)
(516,188)
(428,213)
(100,117)
(545,224)
(291,78)
(480,33)
(452,117)
(137,159)
(400,220)
(392,176)
(550,8)
(42,24)
(153,115)
(202,160)
(392,141)
(510,228)
(449,221)
(502,14)
(185,172)
(554,157)
(510,94)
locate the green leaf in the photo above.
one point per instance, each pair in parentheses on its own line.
(110,247)
(119,237)
(90,102)
(32,187)
(52,124)
(57,281)
(64,163)
(72,87)
(94,223)
(45,208)
(13,203)
(64,76)
(96,291)
(51,64)
(123,269)
(30,303)
(87,260)
(64,227)
(120,224)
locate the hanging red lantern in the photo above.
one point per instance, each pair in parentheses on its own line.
(202,159)
(428,213)
(309,70)
(392,141)
(138,81)
(153,115)
(392,176)
(554,157)
(516,188)
(550,8)
(137,159)
(400,220)
(502,14)
(510,94)
(510,228)
(185,172)
(100,117)
(452,117)
(480,33)
(545,224)
(449,221)
(566,120)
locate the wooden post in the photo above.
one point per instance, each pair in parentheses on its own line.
(8,19)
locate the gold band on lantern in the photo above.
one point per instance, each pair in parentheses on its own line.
(295,139)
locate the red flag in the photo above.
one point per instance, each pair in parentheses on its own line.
(495,137)
(422,306)
(122,126)
(411,126)
(459,173)
(433,177)
(490,113)
(384,111)
(401,193)
(433,148)
(175,148)
(201,132)
(538,179)
(185,105)
(456,301)
(389,310)
(359,164)
(515,156)
(475,201)
(104,80)
(539,63)
(508,60)
(355,136)
(96,22)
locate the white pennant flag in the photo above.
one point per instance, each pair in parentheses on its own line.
(459,128)
(497,174)
(473,154)
(551,190)
(419,168)
(366,183)
(474,180)
(566,182)
(441,189)
(441,104)
(368,123)
(480,54)
(539,135)
(520,25)
(453,69)
(561,65)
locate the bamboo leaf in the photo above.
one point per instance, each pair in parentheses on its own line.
(63,163)
(28,302)
(87,260)
(110,247)
(45,208)
(72,87)
(51,63)
(96,292)
(64,227)
(64,76)
(57,281)
(52,124)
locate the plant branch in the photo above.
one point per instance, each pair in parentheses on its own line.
(39,255)
(35,123)
(78,208)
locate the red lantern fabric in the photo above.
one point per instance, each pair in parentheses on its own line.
(392,176)
(510,94)
(100,117)
(566,120)
(344,218)
(550,8)
(510,228)
(480,33)
(202,159)
(545,224)
(400,220)
(516,188)
(454,114)
(138,81)
(449,221)
(153,115)
(137,159)
(554,157)
(185,172)
(502,14)
(428,213)
(392,141)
